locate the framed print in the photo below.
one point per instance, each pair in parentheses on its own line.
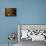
(10,11)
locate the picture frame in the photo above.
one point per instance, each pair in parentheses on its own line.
(10,11)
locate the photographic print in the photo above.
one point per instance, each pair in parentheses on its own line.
(10,11)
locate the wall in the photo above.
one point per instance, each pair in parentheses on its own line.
(28,12)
